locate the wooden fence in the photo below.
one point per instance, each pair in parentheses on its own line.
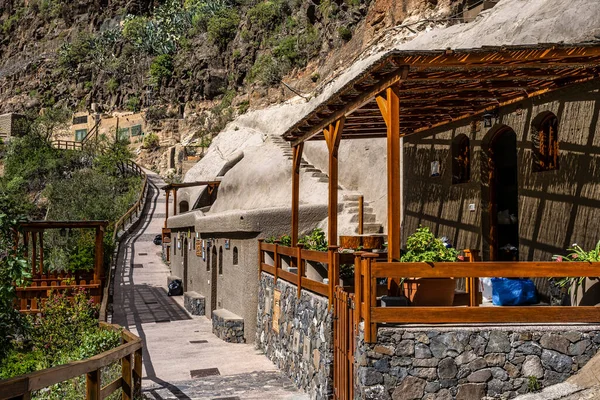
(368,270)
(298,258)
(67,145)
(129,353)
(137,207)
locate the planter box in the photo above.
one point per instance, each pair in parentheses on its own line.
(430,291)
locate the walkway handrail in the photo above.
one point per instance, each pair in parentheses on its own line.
(130,354)
(67,144)
(138,205)
(298,257)
(369,269)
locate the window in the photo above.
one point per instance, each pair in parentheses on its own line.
(461,159)
(83,119)
(136,130)
(221,260)
(123,134)
(544,142)
(235,256)
(80,134)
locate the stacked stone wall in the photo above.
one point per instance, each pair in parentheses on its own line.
(469,363)
(228,326)
(303,347)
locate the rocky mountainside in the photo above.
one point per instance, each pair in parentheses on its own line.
(205,59)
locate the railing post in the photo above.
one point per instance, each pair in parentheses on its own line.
(361,211)
(300,268)
(370,288)
(127,378)
(333,272)
(275,263)
(92,385)
(357,286)
(472,283)
(261,258)
(137,373)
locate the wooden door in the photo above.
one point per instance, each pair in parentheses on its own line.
(185,265)
(213,280)
(344,343)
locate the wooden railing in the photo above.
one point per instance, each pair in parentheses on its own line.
(30,299)
(129,354)
(67,144)
(137,207)
(368,270)
(298,257)
(93,133)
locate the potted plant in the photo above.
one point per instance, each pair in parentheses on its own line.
(423,246)
(583,291)
(315,241)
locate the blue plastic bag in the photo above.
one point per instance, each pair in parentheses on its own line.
(513,292)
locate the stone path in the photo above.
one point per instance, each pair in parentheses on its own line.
(176,343)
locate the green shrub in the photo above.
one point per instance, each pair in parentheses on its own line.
(222,27)
(267,14)
(112,85)
(151,142)
(423,246)
(315,240)
(98,341)
(267,70)
(133,104)
(19,363)
(243,106)
(71,55)
(161,69)
(345,33)
(287,49)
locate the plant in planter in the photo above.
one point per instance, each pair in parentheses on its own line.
(423,246)
(584,291)
(315,241)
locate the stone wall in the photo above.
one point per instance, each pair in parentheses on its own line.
(194,303)
(228,326)
(469,363)
(303,347)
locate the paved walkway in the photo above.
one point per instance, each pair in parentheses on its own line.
(176,343)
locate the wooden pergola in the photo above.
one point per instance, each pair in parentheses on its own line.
(407,92)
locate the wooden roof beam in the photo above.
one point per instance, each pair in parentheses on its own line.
(365,97)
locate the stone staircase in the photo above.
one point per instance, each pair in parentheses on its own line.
(348,206)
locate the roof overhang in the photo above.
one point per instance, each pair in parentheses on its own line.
(440,87)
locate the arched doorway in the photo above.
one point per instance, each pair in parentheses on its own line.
(500,219)
(184,206)
(213,280)
(185,264)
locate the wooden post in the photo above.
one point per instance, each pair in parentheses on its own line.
(41,252)
(361,212)
(390,110)
(333,134)
(472,283)
(168,192)
(127,378)
(25,243)
(92,385)
(99,254)
(137,373)
(333,272)
(300,266)
(297,159)
(33,252)
(370,290)
(357,286)
(275,263)
(174,202)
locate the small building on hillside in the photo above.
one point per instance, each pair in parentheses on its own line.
(12,125)
(127,125)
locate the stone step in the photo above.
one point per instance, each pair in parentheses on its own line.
(372,228)
(354,210)
(319,175)
(367,218)
(326,179)
(351,204)
(308,169)
(351,197)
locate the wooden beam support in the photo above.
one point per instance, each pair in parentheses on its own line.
(333,135)
(297,159)
(392,109)
(168,192)
(174,202)
(99,254)
(41,251)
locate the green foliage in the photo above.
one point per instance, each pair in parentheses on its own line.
(112,85)
(533,385)
(267,14)
(243,106)
(71,55)
(423,246)
(315,240)
(161,69)
(151,142)
(222,26)
(98,341)
(285,240)
(133,104)
(577,254)
(266,70)
(19,363)
(345,33)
